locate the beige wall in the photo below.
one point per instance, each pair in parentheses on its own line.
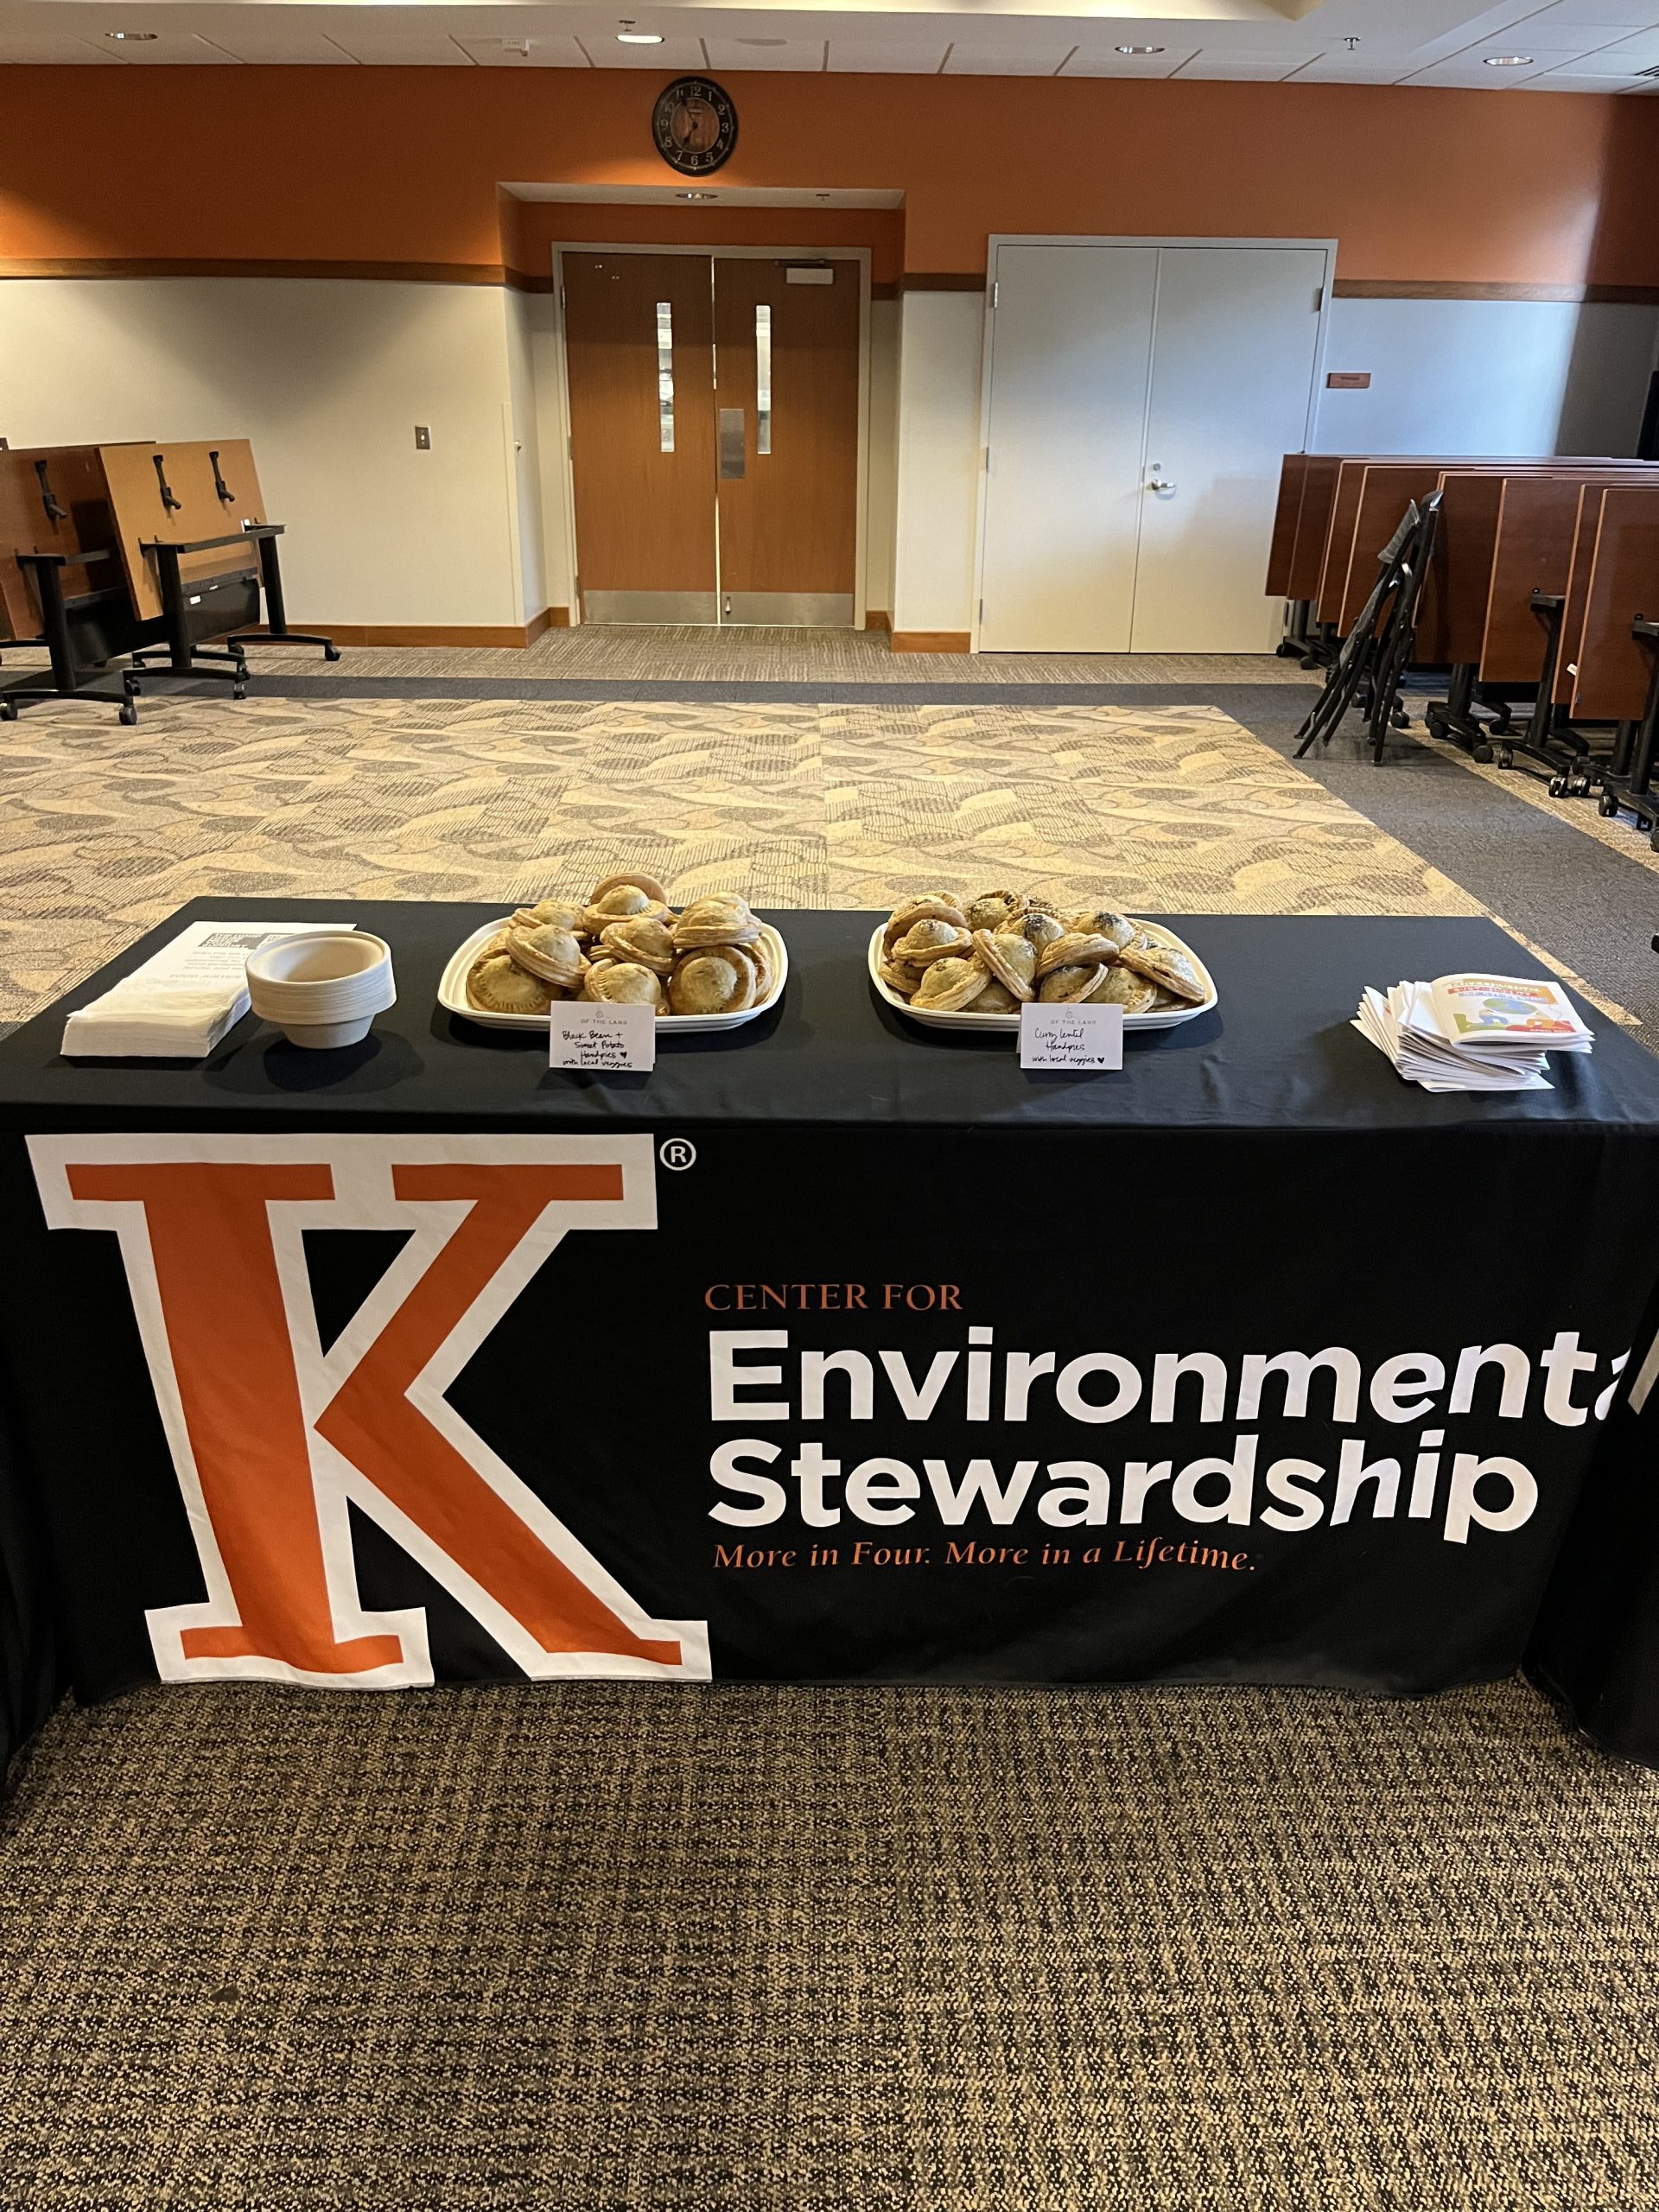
(328,379)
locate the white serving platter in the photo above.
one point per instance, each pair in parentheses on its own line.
(452,992)
(1167,1017)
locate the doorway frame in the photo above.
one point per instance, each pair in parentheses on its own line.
(987,348)
(859,254)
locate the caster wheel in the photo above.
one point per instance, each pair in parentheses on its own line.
(1578,788)
(331,652)
(1433,725)
(1481,752)
(1606,806)
(1505,757)
(238,691)
(1556,787)
(129,714)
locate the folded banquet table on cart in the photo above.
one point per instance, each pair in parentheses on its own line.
(1246,1364)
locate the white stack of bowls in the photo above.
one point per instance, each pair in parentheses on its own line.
(322,989)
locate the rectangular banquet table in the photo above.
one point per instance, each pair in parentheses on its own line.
(1248,1363)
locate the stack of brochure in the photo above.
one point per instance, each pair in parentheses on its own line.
(1473,1033)
(183,999)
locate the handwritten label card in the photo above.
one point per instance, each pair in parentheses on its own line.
(1075,1037)
(604,1037)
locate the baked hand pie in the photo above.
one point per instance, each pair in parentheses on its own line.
(551,953)
(621,902)
(722,918)
(623,983)
(947,985)
(644,940)
(496,984)
(719,979)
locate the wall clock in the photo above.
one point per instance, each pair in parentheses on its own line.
(695,125)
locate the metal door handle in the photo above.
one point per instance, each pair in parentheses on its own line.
(1159,484)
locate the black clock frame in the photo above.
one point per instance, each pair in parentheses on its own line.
(685,163)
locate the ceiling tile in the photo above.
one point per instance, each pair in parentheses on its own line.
(251,35)
(401,49)
(58,48)
(1254,68)
(805,54)
(1108,62)
(1624,16)
(866,57)
(672,58)
(1557,81)
(170,49)
(1033,60)
(544,52)
(1347,69)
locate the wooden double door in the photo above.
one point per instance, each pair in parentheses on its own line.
(713,437)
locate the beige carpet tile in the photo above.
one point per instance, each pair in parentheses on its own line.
(626,1948)
(103,831)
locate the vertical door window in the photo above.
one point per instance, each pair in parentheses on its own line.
(763,378)
(665,375)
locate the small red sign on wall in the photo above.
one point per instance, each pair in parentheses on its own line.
(1349,381)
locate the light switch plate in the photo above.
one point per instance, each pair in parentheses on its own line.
(422,438)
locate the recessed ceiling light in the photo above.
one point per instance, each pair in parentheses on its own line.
(1139,49)
(638,38)
(131,38)
(696,195)
(1508,61)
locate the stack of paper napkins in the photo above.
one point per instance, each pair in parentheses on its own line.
(1473,1033)
(183,999)
(139,1020)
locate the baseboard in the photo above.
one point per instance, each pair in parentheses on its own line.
(509,634)
(877,618)
(933,641)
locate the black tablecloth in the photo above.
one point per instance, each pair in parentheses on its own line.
(1053,1333)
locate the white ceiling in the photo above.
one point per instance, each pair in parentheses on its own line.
(1569,46)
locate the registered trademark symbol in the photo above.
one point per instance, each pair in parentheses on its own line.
(678,1152)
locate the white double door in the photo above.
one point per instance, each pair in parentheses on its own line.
(1141,400)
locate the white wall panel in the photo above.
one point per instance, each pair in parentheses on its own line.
(526,454)
(938,460)
(883,454)
(328,379)
(1487,376)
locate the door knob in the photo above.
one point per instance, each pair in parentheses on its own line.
(1159,484)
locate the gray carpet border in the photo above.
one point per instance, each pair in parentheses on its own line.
(746,692)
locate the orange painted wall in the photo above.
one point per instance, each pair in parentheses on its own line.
(531,229)
(402,164)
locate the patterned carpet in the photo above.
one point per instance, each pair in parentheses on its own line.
(103,831)
(630,1948)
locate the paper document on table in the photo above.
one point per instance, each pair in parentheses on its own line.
(183,999)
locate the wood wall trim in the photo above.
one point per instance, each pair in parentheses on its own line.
(876,618)
(940,280)
(372,272)
(511,635)
(498,275)
(1377,288)
(933,641)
